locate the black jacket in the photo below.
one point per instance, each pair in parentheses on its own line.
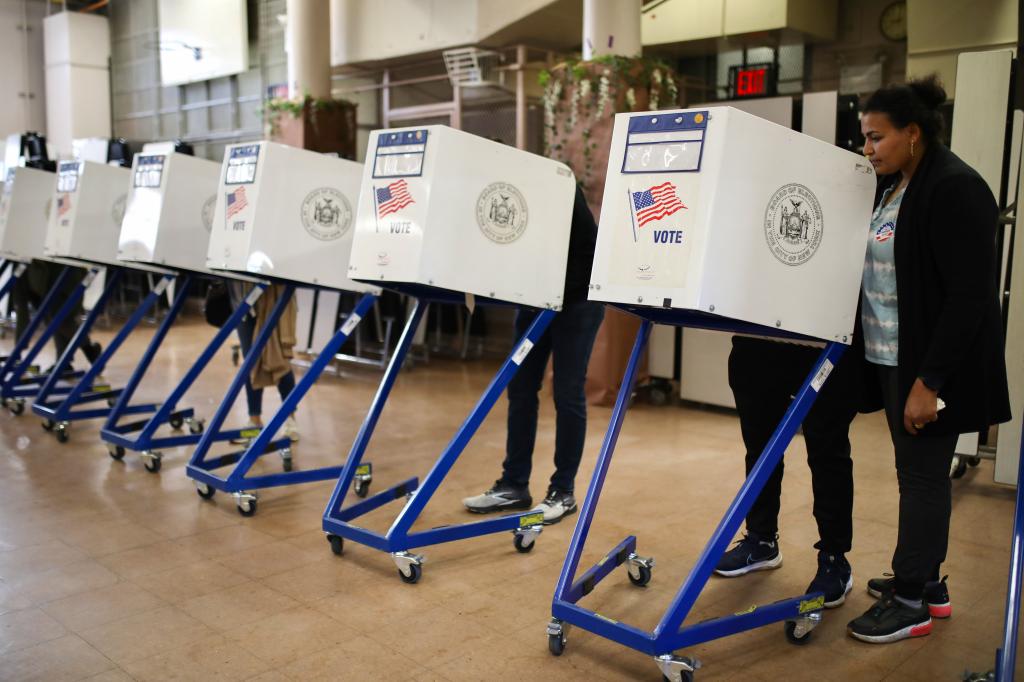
(582,239)
(947,283)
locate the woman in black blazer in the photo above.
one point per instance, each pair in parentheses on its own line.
(933,338)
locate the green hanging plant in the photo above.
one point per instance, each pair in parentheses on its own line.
(274,108)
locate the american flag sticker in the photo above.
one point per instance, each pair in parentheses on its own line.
(236,202)
(392,198)
(655,203)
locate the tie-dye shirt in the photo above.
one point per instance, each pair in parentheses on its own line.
(878,298)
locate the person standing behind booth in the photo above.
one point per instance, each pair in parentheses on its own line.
(274,366)
(933,337)
(764,376)
(568,341)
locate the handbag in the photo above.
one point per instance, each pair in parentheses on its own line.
(217,307)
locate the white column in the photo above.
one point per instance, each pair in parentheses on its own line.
(611,27)
(308,43)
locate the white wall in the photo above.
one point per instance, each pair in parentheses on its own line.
(22,84)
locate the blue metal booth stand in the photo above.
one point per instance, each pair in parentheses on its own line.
(801,613)
(338,520)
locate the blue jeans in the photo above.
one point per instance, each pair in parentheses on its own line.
(568,341)
(254,396)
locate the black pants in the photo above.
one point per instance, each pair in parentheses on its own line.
(28,293)
(922,469)
(764,377)
(568,340)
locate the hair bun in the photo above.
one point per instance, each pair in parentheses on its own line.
(929,91)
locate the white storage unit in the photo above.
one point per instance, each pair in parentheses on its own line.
(450,210)
(285,213)
(719,211)
(170,211)
(89,203)
(24,212)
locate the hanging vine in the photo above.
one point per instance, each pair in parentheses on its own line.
(574,107)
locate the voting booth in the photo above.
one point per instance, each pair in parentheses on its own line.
(170,209)
(446,216)
(89,203)
(286,214)
(24,213)
(723,212)
(443,208)
(717,219)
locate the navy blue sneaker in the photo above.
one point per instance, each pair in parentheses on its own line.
(751,553)
(834,579)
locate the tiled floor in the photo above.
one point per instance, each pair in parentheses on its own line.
(108,572)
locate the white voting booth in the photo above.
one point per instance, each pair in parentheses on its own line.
(719,211)
(24,212)
(450,210)
(170,210)
(85,220)
(285,213)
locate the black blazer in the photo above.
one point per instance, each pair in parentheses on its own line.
(947,283)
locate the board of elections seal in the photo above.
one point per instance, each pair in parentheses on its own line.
(206,214)
(326,214)
(117,210)
(793,224)
(501,213)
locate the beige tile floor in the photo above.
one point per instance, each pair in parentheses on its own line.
(108,572)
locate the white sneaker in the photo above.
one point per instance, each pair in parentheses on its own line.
(291,429)
(556,506)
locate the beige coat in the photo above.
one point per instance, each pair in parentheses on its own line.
(275,360)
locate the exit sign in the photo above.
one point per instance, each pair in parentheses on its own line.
(754,80)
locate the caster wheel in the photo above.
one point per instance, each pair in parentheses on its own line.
(62,435)
(116,453)
(973,461)
(337,544)
(286,464)
(685,676)
(642,579)
(791,636)
(959,468)
(521,545)
(49,424)
(556,644)
(16,407)
(415,572)
(195,427)
(153,464)
(247,507)
(111,402)
(176,422)
(361,488)
(658,397)
(205,491)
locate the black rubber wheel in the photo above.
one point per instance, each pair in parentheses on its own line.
(337,544)
(973,461)
(658,397)
(16,407)
(48,425)
(247,508)
(415,572)
(522,548)
(63,436)
(286,464)
(196,427)
(205,491)
(556,644)
(117,453)
(111,402)
(645,577)
(791,636)
(176,422)
(685,675)
(960,470)
(361,488)
(153,464)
